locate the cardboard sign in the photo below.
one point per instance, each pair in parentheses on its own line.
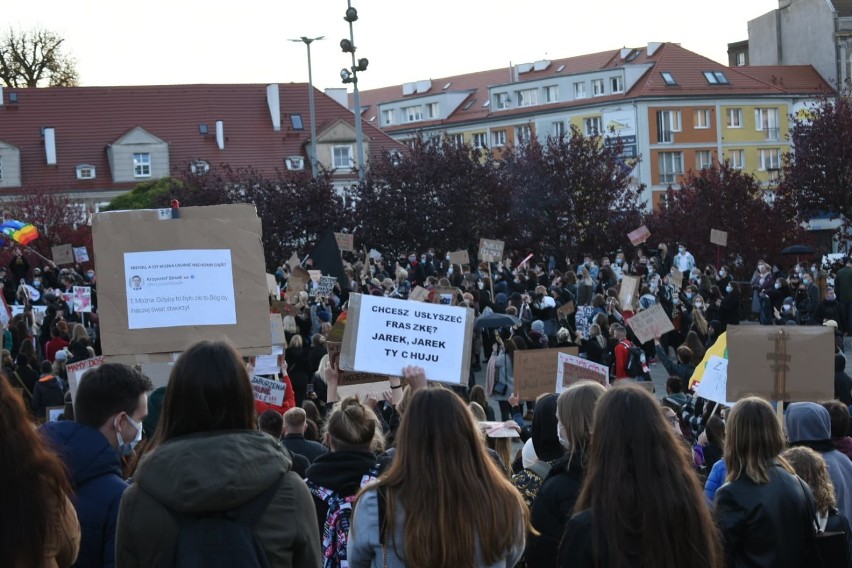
(351,383)
(566,309)
(498,430)
(582,320)
(419,294)
(82,299)
(315,275)
(627,293)
(571,369)
(283,308)
(446,295)
(490,250)
(460,257)
(714,383)
(639,236)
(294,261)
(374,254)
(650,323)
(76,372)
(784,363)
(81,255)
(677,277)
(297,282)
(719,237)
(276,323)
(158,373)
(268,365)
(384,335)
(536,369)
(272,286)
(63,254)
(268,391)
(324,288)
(166,285)
(345,241)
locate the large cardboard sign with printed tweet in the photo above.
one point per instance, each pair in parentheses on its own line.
(166,283)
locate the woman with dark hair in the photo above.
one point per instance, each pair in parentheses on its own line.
(714,447)
(39,524)
(208,459)
(729,306)
(477,395)
(298,367)
(695,345)
(764,510)
(619,521)
(546,450)
(487,520)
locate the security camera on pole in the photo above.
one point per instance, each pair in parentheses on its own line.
(351,76)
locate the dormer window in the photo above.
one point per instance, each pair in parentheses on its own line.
(199,167)
(295,163)
(85,171)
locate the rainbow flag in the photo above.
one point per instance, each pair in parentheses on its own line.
(719,349)
(22,233)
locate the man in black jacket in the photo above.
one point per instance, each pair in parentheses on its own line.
(295,422)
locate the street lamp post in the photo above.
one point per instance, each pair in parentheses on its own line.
(308,41)
(351,76)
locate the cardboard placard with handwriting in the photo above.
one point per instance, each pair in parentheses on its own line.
(676,277)
(63,254)
(352,383)
(294,261)
(276,323)
(718,237)
(629,291)
(650,323)
(566,309)
(446,295)
(345,242)
(460,257)
(419,294)
(788,363)
(639,236)
(324,287)
(491,250)
(536,369)
(571,369)
(297,282)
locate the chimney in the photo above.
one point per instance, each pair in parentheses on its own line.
(1,95)
(220,134)
(274,103)
(50,146)
(339,95)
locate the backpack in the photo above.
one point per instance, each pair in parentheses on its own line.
(636,362)
(223,539)
(335,533)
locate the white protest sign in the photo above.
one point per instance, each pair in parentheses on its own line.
(650,323)
(714,385)
(572,369)
(270,392)
(82,299)
(324,287)
(81,255)
(384,335)
(19,309)
(77,370)
(172,288)
(581,319)
(265,365)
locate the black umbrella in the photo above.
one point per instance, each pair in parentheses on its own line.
(798,250)
(494,321)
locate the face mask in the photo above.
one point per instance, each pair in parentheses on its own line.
(423,259)
(480,285)
(449,271)
(412,258)
(91,275)
(729,289)
(448,257)
(699,305)
(806,282)
(689,295)
(681,250)
(787,307)
(563,436)
(650,270)
(777,286)
(813,269)
(676,302)
(126,448)
(721,274)
(37,283)
(588,263)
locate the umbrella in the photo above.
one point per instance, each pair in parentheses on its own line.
(798,250)
(493,321)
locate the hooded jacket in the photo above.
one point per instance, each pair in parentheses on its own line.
(48,392)
(842,381)
(216,471)
(809,424)
(97,480)
(341,471)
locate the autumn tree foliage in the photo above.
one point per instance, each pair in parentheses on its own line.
(759,223)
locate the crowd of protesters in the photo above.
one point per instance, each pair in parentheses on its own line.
(199,473)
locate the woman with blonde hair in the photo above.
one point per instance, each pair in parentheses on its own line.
(763,511)
(443,500)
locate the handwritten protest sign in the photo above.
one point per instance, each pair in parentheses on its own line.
(268,365)
(566,309)
(384,335)
(583,320)
(784,363)
(82,299)
(315,275)
(351,383)
(81,254)
(627,294)
(571,369)
(718,237)
(62,254)
(76,373)
(536,369)
(677,277)
(345,241)
(268,391)
(639,236)
(714,384)
(294,261)
(276,323)
(419,294)
(650,323)
(491,250)
(324,287)
(297,282)
(446,295)
(460,257)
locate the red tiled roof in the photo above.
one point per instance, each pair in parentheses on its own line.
(88,119)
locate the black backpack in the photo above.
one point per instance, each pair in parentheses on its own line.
(223,539)
(635,360)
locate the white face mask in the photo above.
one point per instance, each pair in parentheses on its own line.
(126,448)
(563,436)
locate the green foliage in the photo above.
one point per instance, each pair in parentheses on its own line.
(146,195)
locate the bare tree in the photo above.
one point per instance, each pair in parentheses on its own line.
(35,57)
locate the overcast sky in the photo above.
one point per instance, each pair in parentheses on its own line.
(212,41)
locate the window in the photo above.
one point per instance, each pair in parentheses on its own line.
(671,165)
(766,119)
(770,159)
(295,163)
(593,125)
(142,165)
(296,122)
(527,97)
(457,140)
(598,87)
(702,118)
(736,158)
(551,94)
(735,118)
(741,59)
(469,104)
(480,140)
(432,110)
(522,135)
(668,122)
(616,84)
(199,167)
(502,100)
(413,113)
(498,137)
(579,90)
(85,171)
(341,156)
(387,116)
(716,77)
(703,159)
(558,128)
(668,79)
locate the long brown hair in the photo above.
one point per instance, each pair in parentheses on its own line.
(26,515)
(632,449)
(455,497)
(753,441)
(575,409)
(811,467)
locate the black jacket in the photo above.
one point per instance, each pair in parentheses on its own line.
(842,381)
(47,393)
(341,472)
(297,444)
(729,311)
(767,525)
(551,509)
